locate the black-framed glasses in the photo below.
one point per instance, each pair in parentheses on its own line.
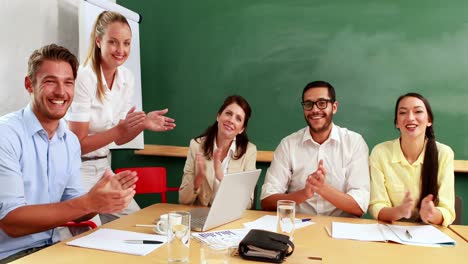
(320,103)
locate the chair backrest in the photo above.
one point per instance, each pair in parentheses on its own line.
(458,211)
(76,228)
(150,180)
(90,224)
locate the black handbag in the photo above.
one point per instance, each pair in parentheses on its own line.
(261,245)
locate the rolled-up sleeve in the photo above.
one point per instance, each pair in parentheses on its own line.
(279,173)
(357,174)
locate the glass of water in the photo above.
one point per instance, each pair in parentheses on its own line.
(178,237)
(286,214)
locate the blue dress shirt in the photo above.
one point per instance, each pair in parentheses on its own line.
(35,170)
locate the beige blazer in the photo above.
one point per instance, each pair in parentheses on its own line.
(205,194)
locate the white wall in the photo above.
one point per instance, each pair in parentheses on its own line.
(26,25)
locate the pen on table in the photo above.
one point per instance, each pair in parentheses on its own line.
(143,241)
(139,225)
(328,231)
(303,220)
(408,234)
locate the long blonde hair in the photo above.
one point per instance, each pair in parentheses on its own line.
(94,52)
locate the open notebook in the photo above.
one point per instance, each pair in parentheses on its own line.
(419,235)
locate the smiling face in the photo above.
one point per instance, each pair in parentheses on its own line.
(231,121)
(319,120)
(52,91)
(412,117)
(115,45)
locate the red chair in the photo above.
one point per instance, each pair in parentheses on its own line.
(151,180)
(80,227)
(88,223)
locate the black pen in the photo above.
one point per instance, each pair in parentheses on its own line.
(408,234)
(143,241)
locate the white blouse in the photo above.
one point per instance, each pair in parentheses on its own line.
(87,107)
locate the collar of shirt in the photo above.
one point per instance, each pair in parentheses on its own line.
(334,135)
(33,125)
(119,80)
(399,157)
(231,152)
(232,148)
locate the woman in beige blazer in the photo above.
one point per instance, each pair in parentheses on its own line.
(223,148)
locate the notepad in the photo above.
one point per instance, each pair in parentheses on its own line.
(113,240)
(421,235)
(269,222)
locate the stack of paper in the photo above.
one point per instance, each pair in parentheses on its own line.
(269,222)
(419,235)
(113,240)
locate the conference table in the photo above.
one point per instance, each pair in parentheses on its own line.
(460,230)
(311,242)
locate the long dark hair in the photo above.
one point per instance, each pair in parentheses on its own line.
(430,168)
(241,139)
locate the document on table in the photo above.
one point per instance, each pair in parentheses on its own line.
(113,240)
(222,238)
(269,222)
(420,235)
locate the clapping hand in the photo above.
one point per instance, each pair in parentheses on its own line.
(316,180)
(406,206)
(112,194)
(156,121)
(201,170)
(428,208)
(133,122)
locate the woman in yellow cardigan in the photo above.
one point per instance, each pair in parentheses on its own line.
(412,177)
(223,148)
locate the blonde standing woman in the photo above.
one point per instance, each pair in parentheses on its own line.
(102,112)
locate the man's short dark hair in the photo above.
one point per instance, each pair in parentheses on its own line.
(320,84)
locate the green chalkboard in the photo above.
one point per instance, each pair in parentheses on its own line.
(195,53)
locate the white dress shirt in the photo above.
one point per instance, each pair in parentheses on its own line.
(345,158)
(86,106)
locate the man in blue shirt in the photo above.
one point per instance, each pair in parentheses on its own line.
(40,161)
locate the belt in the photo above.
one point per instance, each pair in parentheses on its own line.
(93,158)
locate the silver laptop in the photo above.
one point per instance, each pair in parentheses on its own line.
(230,202)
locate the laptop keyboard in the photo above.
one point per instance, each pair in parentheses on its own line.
(198,221)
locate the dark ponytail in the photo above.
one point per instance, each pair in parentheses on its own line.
(430,168)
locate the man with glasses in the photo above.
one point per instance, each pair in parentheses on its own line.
(322,167)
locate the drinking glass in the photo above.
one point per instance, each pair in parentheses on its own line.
(178,237)
(286,214)
(214,254)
